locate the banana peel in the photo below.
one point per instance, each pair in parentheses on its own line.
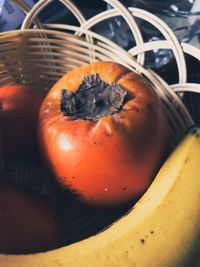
(161,230)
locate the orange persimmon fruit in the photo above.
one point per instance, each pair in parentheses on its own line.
(103,133)
(29,222)
(19,106)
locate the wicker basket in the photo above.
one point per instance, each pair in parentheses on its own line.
(38,55)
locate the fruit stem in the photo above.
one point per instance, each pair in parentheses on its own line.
(93,100)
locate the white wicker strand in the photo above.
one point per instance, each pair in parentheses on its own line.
(149,46)
(41,4)
(191,50)
(186,87)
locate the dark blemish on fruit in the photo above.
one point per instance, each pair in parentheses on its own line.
(124,188)
(186,160)
(135,109)
(152,232)
(73,177)
(142,241)
(94,143)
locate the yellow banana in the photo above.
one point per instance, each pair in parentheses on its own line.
(162,229)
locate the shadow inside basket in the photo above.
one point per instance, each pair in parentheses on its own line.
(80,220)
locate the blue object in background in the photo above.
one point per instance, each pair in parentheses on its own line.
(11,17)
(1,6)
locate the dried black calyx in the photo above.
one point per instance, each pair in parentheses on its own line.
(93,100)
